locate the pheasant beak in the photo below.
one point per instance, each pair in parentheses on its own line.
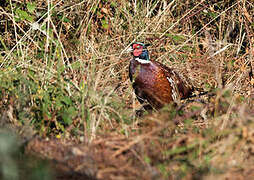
(130,49)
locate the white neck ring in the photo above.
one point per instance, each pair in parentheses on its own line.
(143,61)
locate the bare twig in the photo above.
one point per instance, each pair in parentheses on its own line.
(247,18)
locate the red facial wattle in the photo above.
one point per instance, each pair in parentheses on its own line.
(137,50)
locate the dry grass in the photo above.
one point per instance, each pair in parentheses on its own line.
(64,74)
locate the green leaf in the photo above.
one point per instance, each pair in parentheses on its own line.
(147,159)
(68,114)
(58,104)
(65,19)
(212,14)
(23,15)
(76,65)
(195,108)
(113,4)
(104,24)
(175,37)
(30,7)
(67,100)
(60,68)
(252,25)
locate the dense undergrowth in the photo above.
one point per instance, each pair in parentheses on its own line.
(64,75)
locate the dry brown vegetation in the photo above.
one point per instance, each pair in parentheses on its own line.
(65,90)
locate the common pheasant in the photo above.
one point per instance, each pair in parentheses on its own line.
(153,82)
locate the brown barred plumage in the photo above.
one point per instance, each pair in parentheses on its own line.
(154,82)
